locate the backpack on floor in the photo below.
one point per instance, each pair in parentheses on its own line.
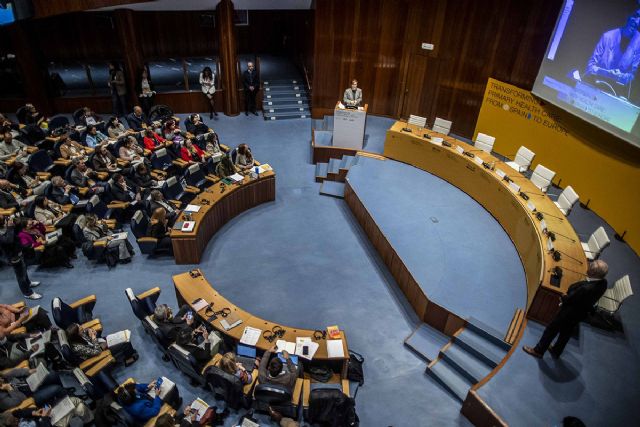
(354,369)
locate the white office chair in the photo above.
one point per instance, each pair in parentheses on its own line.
(542,177)
(484,142)
(442,126)
(523,159)
(566,200)
(596,244)
(418,121)
(612,298)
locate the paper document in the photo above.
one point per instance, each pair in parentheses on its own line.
(200,407)
(236,177)
(51,238)
(118,338)
(265,168)
(531,206)
(188,226)
(500,173)
(34,380)
(436,140)
(40,342)
(250,336)
(514,187)
(459,149)
(166,386)
(61,410)
(287,346)
(246,422)
(335,348)
(192,208)
(306,345)
(199,304)
(478,160)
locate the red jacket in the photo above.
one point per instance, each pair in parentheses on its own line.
(152,143)
(187,157)
(28,240)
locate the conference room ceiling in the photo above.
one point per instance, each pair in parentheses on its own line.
(163,5)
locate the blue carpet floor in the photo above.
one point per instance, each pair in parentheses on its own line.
(304,261)
(449,243)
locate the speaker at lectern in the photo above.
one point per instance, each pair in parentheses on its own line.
(348,126)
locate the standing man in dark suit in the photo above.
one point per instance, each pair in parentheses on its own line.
(118,88)
(251,83)
(574,306)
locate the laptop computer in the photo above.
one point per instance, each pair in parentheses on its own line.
(246,356)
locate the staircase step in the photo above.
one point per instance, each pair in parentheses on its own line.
(290,96)
(286,115)
(466,363)
(332,188)
(299,104)
(334,166)
(271,82)
(450,379)
(480,347)
(346,162)
(278,109)
(323,138)
(321,170)
(284,88)
(487,332)
(426,342)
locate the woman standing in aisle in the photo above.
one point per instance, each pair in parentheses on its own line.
(208,85)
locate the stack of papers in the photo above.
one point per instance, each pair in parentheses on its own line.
(236,177)
(264,168)
(34,380)
(61,410)
(199,304)
(335,348)
(192,208)
(188,226)
(250,336)
(118,338)
(287,346)
(306,345)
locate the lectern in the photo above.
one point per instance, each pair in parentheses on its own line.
(348,126)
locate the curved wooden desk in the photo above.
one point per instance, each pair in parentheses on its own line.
(508,207)
(216,209)
(190,289)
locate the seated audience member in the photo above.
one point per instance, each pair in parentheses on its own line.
(122,192)
(281,420)
(158,228)
(51,213)
(12,318)
(244,158)
(225,167)
(13,350)
(158,201)
(14,388)
(103,160)
(172,132)
(96,230)
(169,324)
(137,120)
(229,364)
(191,153)
(55,254)
(7,199)
(33,117)
(28,185)
(187,338)
(152,140)
(70,149)
(143,180)
(94,137)
(85,344)
(61,192)
(213,144)
(84,177)
(272,371)
(41,417)
(114,128)
(7,125)
(135,400)
(189,417)
(11,148)
(131,151)
(89,117)
(195,125)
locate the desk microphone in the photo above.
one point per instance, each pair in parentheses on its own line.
(470,153)
(559,269)
(530,193)
(557,256)
(426,135)
(552,236)
(406,130)
(446,144)
(552,216)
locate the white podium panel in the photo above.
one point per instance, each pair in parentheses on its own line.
(348,127)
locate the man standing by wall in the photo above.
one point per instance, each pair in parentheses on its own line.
(251,83)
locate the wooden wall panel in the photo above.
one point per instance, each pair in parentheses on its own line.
(379,42)
(280,32)
(43,8)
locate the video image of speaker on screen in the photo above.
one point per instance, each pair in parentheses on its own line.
(590,66)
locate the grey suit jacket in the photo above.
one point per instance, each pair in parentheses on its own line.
(350,100)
